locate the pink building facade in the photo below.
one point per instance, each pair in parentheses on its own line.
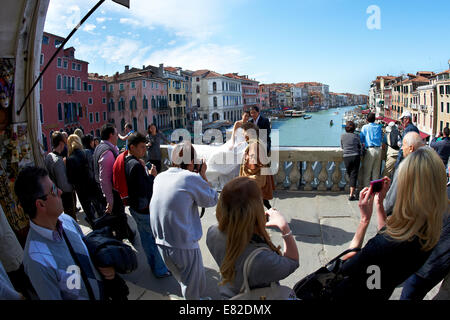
(69,99)
(138,97)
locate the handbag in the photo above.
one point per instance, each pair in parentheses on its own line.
(320,284)
(274,292)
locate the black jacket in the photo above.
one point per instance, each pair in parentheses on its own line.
(106,251)
(80,172)
(140,185)
(264,123)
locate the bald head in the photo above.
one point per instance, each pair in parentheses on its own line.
(411,142)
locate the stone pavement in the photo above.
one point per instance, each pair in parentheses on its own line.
(323,225)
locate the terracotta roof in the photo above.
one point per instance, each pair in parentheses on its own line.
(446,71)
(171,69)
(200,72)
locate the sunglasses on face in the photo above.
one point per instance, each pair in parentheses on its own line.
(53,192)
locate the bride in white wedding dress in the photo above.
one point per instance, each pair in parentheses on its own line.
(223,161)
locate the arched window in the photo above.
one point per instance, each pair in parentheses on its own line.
(214,86)
(60,117)
(198,89)
(215,101)
(198,103)
(135,124)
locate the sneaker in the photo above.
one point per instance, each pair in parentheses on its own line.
(352,198)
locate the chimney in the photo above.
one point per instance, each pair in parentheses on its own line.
(127,68)
(143,66)
(161,70)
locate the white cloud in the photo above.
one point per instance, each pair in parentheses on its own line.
(89,27)
(195,56)
(101,19)
(171,43)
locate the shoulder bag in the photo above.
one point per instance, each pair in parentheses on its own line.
(274,292)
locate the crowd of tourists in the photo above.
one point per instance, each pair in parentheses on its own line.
(411,246)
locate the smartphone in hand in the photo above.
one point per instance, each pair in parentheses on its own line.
(377,185)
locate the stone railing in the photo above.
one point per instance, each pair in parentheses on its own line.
(307,169)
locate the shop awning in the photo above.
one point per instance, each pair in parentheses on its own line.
(388,120)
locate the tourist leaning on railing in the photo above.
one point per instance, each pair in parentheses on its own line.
(406,238)
(351,145)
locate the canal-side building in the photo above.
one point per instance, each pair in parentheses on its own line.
(443,99)
(138,97)
(263,98)
(216,96)
(69,97)
(249,90)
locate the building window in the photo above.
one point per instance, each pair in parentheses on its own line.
(441,89)
(214,86)
(78,84)
(58,82)
(91,117)
(198,103)
(170,97)
(41,83)
(135,124)
(197,79)
(85,86)
(44,40)
(152,85)
(157,85)
(104,115)
(198,89)
(41,113)
(57,43)
(103,88)
(447,89)
(97,117)
(145,104)
(145,123)
(65,64)
(90,101)
(144,84)
(104,100)
(442,107)
(80,110)
(111,88)
(215,102)
(58,63)
(42,59)
(79,67)
(90,87)
(60,117)
(169,83)
(133,85)
(448,107)
(74,66)
(121,86)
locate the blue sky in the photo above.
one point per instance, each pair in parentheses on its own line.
(272,41)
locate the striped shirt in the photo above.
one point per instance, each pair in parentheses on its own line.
(50,266)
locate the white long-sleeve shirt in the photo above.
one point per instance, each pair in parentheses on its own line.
(174,216)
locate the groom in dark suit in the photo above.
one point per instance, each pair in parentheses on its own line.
(262,123)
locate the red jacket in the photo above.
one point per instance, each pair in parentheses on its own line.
(119,178)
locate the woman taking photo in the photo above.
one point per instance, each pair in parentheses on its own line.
(405,239)
(154,138)
(255,164)
(240,230)
(351,145)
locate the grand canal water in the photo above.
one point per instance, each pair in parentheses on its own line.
(314,132)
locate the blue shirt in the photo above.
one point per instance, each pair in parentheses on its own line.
(371,135)
(49,264)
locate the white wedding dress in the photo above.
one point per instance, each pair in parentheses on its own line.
(223,161)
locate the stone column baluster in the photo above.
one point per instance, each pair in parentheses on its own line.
(308,176)
(281,175)
(294,176)
(287,168)
(336,176)
(323,177)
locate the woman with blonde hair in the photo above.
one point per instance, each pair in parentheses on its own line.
(80,173)
(241,229)
(255,163)
(405,239)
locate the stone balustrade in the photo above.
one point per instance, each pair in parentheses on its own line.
(316,169)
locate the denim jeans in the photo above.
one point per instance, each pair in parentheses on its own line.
(148,243)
